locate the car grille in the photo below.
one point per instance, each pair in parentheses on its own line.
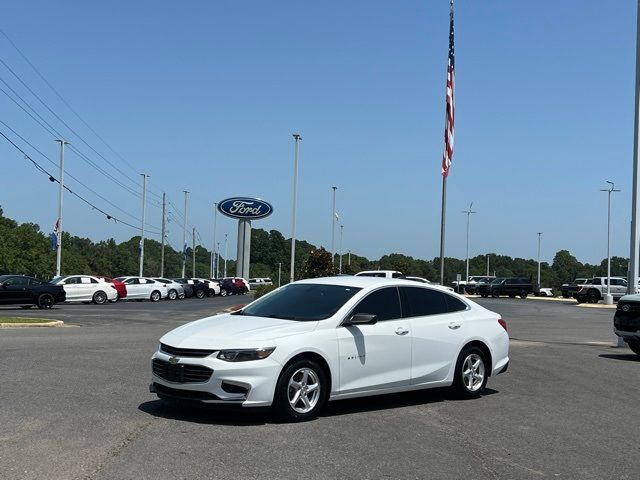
(180,372)
(185,352)
(169,392)
(628,307)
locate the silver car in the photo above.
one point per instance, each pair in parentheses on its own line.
(174,289)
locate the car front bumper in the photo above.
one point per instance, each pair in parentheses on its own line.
(249,384)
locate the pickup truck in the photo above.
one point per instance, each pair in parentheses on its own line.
(594,289)
(568,289)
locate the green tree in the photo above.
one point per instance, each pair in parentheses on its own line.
(318,264)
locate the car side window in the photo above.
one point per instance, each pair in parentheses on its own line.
(150,281)
(396,275)
(71,281)
(455,304)
(132,281)
(17,282)
(93,280)
(383,303)
(420,302)
(34,282)
(85,280)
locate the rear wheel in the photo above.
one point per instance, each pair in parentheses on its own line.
(495,294)
(100,298)
(223,293)
(45,301)
(155,296)
(634,346)
(301,391)
(593,296)
(471,373)
(200,293)
(172,294)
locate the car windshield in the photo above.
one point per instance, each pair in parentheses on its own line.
(301,302)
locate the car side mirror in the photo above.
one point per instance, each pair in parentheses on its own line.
(360,319)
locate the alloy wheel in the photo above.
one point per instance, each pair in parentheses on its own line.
(303,391)
(473,372)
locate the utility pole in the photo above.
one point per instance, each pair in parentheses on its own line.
(469,213)
(340,263)
(193,251)
(279,273)
(144,211)
(218,261)
(539,240)
(164,232)
(60,199)
(635,205)
(184,235)
(608,298)
(297,138)
(213,250)
(226,253)
(333,228)
(488,264)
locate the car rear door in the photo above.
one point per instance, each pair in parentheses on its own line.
(378,356)
(438,331)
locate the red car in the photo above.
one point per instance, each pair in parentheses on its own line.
(121,288)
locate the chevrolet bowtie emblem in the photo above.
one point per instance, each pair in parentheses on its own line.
(174,360)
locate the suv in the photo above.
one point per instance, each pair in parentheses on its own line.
(594,289)
(380,273)
(626,321)
(471,285)
(512,286)
(568,289)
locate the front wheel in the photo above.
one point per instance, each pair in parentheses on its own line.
(223,293)
(495,294)
(634,346)
(523,294)
(172,294)
(100,298)
(471,373)
(155,296)
(45,301)
(200,294)
(301,391)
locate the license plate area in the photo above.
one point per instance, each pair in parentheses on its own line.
(174,373)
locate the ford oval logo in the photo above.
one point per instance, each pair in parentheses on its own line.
(245,208)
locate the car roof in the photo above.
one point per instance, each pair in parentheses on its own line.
(365,282)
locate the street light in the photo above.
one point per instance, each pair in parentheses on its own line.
(539,238)
(608,298)
(340,264)
(334,219)
(468,212)
(297,138)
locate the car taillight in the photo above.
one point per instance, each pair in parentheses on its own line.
(503,324)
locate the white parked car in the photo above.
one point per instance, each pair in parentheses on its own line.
(142,288)
(332,338)
(86,288)
(257,282)
(174,289)
(424,280)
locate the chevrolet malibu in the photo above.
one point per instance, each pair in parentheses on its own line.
(327,339)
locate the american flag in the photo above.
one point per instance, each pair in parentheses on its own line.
(447,156)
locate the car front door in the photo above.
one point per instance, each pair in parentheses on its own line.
(14,290)
(134,289)
(71,287)
(378,356)
(437,332)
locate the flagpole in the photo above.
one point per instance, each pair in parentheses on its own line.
(442,224)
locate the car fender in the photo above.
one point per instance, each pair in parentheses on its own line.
(330,356)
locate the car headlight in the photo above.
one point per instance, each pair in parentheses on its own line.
(244,355)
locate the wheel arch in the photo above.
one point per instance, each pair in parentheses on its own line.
(485,349)
(320,359)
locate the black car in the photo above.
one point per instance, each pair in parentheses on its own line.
(229,286)
(512,286)
(29,291)
(198,289)
(626,321)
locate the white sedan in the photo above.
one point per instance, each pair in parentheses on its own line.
(331,338)
(86,288)
(141,288)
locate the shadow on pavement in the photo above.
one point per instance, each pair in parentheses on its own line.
(628,357)
(237,416)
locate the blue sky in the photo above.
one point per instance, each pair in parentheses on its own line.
(204,96)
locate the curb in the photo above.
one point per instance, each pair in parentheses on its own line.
(57,323)
(532,297)
(596,305)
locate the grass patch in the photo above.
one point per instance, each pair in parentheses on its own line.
(25,320)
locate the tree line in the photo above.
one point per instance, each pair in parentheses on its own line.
(25,249)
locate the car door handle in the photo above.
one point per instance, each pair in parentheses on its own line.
(454,326)
(401,331)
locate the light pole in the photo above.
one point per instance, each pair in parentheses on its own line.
(279,273)
(608,298)
(340,263)
(60,199)
(226,253)
(333,228)
(184,235)
(468,212)
(144,210)
(213,251)
(539,239)
(297,138)
(488,264)
(218,260)
(635,204)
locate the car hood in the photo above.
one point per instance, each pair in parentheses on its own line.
(234,331)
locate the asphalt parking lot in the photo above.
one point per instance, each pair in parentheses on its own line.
(75,405)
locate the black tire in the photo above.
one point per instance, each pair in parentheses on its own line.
(99,298)
(200,294)
(155,296)
(634,346)
(281,404)
(172,295)
(45,301)
(181,296)
(26,307)
(523,294)
(566,295)
(495,294)
(580,299)
(593,296)
(464,385)
(223,292)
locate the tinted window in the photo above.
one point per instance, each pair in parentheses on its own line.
(72,281)
(396,275)
(303,302)
(455,304)
(371,274)
(93,280)
(34,282)
(418,302)
(384,303)
(132,281)
(17,282)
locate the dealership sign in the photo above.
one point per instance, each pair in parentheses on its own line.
(245,208)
